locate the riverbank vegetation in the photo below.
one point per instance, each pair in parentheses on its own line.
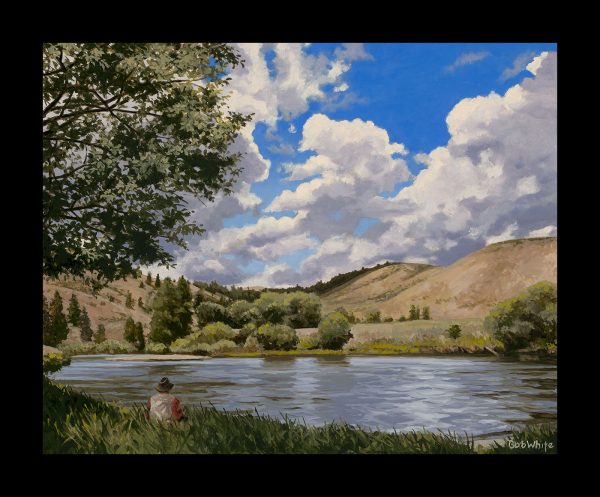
(77,423)
(526,322)
(262,327)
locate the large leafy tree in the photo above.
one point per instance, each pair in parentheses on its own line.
(130,131)
(171,312)
(529,319)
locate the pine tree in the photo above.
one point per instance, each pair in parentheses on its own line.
(129,300)
(418,313)
(74,311)
(426,314)
(454,331)
(149,279)
(59,329)
(140,341)
(157,281)
(140,302)
(183,287)
(412,313)
(46,321)
(85,326)
(129,333)
(142,284)
(100,335)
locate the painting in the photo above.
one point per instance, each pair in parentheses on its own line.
(299,248)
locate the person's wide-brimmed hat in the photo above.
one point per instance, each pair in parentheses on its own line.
(164,385)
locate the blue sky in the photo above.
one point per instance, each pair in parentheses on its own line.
(407,91)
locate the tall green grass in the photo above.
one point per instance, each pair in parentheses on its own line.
(77,423)
(537,439)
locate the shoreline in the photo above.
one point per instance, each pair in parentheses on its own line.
(140,357)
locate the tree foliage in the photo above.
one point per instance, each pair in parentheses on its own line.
(130,132)
(140,341)
(334,331)
(129,332)
(529,319)
(374,317)
(242,312)
(74,311)
(100,335)
(209,312)
(426,313)
(59,329)
(295,309)
(414,313)
(171,313)
(277,337)
(454,331)
(85,326)
(46,321)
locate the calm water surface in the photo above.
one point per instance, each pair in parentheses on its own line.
(474,395)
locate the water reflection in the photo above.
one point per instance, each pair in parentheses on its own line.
(477,395)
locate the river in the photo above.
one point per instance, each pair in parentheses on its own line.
(477,395)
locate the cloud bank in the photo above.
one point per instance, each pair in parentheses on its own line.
(494,179)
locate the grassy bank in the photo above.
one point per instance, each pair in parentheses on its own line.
(364,332)
(77,423)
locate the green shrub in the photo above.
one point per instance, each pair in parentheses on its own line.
(303,310)
(188,345)
(389,319)
(201,342)
(243,335)
(72,349)
(251,344)
(277,337)
(374,317)
(209,312)
(214,332)
(115,347)
(156,348)
(242,312)
(347,314)
(53,362)
(309,342)
(526,320)
(223,346)
(334,331)
(454,331)
(100,335)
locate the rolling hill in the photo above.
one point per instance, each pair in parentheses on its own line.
(465,289)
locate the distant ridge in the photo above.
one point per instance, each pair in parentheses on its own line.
(467,288)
